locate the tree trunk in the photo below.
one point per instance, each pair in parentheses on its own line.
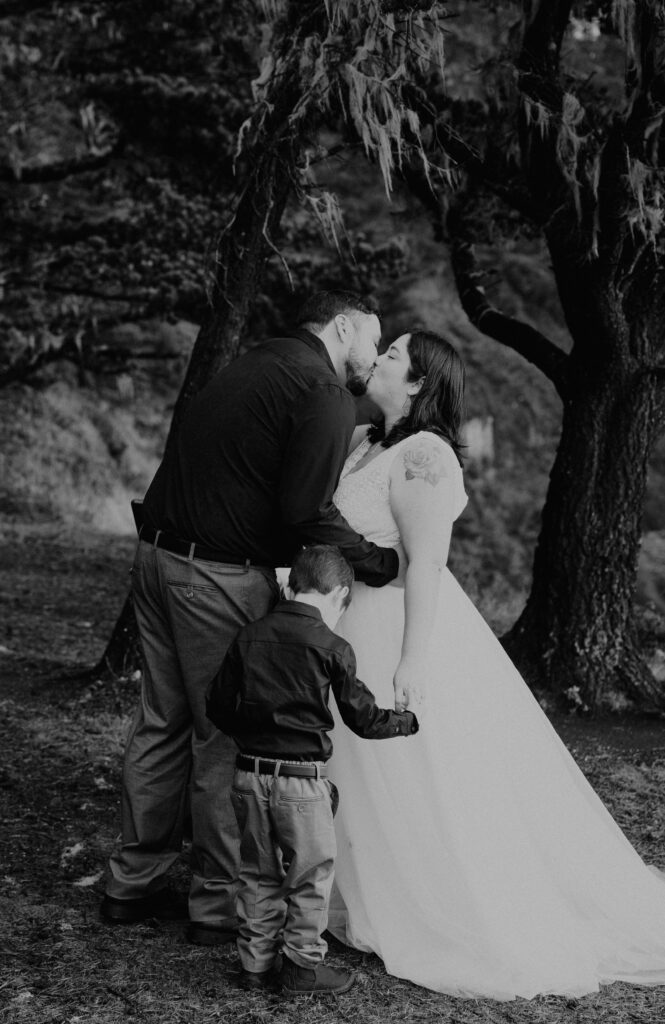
(575,639)
(241,259)
(575,636)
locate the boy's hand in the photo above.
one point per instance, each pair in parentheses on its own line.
(413,725)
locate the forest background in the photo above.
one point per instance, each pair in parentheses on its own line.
(118,133)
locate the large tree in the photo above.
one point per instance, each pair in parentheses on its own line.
(554,142)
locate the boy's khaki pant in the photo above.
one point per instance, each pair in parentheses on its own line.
(287,857)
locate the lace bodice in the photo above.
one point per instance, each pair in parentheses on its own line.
(363,495)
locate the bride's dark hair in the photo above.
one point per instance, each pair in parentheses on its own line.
(439,405)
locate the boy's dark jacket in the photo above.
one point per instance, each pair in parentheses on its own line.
(271,693)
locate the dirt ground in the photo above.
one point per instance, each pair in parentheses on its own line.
(61,737)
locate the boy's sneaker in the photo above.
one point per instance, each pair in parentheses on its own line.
(296,980)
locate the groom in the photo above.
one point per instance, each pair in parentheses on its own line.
(248,481)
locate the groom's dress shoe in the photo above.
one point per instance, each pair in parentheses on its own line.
(164,905)
(295,980)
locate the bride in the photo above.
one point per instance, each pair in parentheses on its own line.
(474,859)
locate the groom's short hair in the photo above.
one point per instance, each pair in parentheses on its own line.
(320,568)
(322,307)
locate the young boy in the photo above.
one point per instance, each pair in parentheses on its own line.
(271,694)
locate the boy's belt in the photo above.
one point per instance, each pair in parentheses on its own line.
(269,766)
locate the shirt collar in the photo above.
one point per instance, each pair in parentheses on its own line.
(299,608)
(314,342)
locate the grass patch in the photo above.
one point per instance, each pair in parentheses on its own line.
(61,742)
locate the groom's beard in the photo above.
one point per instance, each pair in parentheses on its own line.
(356,385)
(357,382)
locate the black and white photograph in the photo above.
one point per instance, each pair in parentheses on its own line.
(332,511)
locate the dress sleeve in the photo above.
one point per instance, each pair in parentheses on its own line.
(358,707)
(313,459)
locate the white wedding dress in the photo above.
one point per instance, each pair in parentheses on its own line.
(474,858)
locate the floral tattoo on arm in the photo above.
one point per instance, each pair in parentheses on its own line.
(423,461)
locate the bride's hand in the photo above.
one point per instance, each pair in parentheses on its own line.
(409,683)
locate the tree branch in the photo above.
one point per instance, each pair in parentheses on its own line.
(539,81)
(94,360)
(21,235)
(645,82)
(117,352)
(24,368)
(545,23)
(8,8)
(61,168)
(90,293)
(515,334)
(512,333)
(470,161)
(433,115)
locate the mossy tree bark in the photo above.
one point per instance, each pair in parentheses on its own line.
(575,639)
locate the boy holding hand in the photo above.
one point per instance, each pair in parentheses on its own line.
(271,695)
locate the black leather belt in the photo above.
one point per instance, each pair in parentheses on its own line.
(162,539)
(268,766)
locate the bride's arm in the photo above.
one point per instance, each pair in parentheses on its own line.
(421,497)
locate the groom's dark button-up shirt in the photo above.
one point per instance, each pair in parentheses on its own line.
(257,459)
(272,691)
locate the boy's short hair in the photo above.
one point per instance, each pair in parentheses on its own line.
(320,568)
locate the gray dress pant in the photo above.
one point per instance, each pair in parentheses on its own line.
(188,611)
